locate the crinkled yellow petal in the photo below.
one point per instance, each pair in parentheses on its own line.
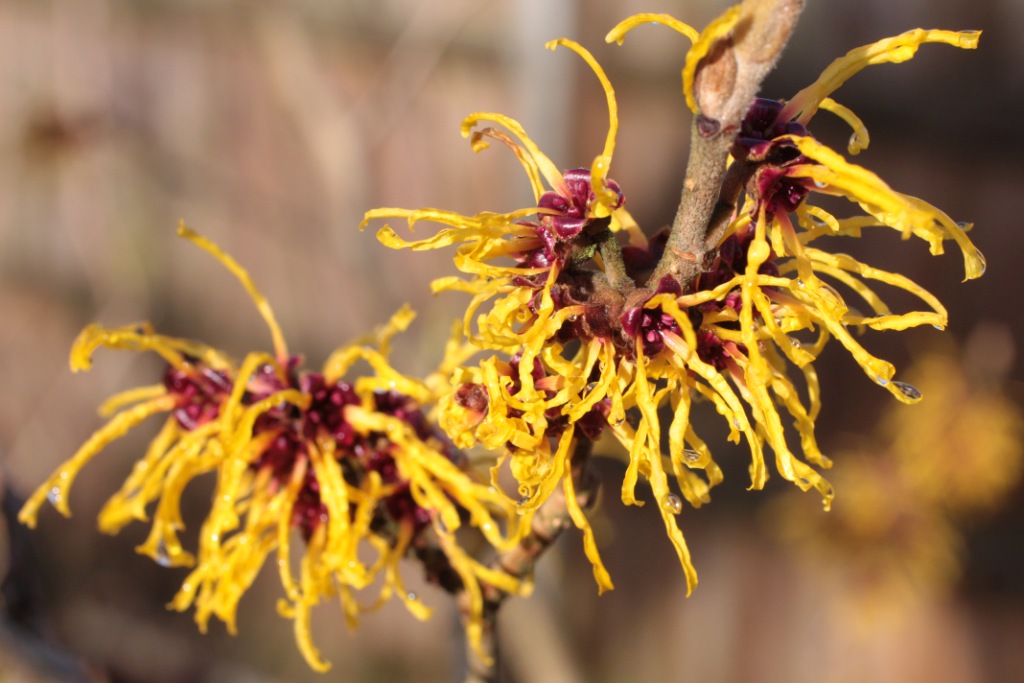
(704,460)
(125,398)
(386,378)
(196,453)
(394,576)
(866,293)
(704,296)
(618,34)
(435,481)
(815,218)
(719,392)
(555,471)
(629,439)
(381,337)
(464,228)
(284,529)
(857,183)
(280,348)
(238,436)
(340,544)
(144,483)
(547,169)
(859,139)
(893,50)
(908,214)
(138,338)
(367,499)
(528,162)
(233,485)
(687,352)
(783,388)
(717,29)
(302,608)
(878,370)
(601,575)
(830,225)
(836,263)
(600,352)
(57,487)
(974,260)
(227,567)
(695,490)
(756,376)
(232,407)
(651,460)
(605,197)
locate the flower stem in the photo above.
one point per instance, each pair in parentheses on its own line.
(549,521)
(726,82)
(614,266)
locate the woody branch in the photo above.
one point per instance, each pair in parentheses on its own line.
(726,82)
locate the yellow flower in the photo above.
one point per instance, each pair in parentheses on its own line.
(886,549)
(541,240)
(894,537)
(963,448)
(352,465)
(589,338)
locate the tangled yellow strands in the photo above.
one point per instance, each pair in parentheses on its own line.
(251,513)
(530,407)
(907,493)
(762,338)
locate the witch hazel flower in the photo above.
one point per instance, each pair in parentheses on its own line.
(578,317)
(350,466)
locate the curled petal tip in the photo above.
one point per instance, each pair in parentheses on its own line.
(975,265)
(968,40)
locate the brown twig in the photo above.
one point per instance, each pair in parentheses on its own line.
(549,521)
(726,82)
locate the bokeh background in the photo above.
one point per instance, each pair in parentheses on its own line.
(271,126)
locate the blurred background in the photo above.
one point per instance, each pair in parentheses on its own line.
(271,126)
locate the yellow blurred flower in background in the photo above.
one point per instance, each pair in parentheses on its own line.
(961,450)
(895,534)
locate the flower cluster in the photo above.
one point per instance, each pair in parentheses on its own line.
(579,323)
(897,535)
(584,337)
(352,466)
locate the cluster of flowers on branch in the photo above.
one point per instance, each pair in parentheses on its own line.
(348,464)
(579,322)
(595,332)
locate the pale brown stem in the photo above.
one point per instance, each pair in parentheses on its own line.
(727,80)
(614,266)
(550,520)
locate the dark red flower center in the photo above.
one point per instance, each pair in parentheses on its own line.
(200,391)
